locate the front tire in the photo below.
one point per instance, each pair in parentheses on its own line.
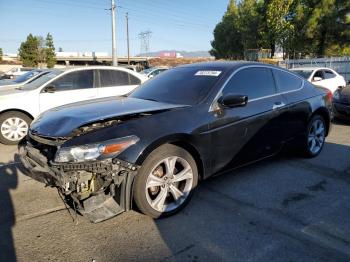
(315,137)
(165,182)
(13,127)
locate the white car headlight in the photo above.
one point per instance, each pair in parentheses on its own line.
(110,148)
(336,95)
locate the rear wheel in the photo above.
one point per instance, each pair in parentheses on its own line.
(13,127)
(165,181)
(315,136)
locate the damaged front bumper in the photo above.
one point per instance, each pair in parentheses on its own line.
(99,189)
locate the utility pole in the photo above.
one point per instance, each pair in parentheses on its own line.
(127,36)
(114,44)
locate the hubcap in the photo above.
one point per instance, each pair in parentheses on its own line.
(316,136)
(14,129)
(169,184)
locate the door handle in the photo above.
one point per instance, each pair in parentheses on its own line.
(278,105)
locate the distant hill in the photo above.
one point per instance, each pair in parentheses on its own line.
(192,54)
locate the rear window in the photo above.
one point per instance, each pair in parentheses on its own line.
(286,82)
(182,85)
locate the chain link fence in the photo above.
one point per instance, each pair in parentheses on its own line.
(339,64)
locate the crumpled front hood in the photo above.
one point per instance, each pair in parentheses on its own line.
(60,122)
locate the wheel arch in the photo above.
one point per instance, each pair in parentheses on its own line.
(180,140)
(17,110)
(323,112)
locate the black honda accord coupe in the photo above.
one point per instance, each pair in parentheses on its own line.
(153,146)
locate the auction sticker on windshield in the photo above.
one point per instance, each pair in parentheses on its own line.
(208,73)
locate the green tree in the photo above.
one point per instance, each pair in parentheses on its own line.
(1,54)
(250,23)
(321,27)
(278,24)
(29,51)
(305,27)
(41,51)
(50,51)
(227,43)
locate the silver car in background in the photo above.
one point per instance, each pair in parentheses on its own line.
(23,79)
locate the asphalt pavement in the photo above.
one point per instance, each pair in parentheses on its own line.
(282,209)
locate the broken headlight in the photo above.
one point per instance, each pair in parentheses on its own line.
(95,151)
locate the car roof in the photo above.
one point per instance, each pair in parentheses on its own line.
(227,65)
(310,68)
(77,68)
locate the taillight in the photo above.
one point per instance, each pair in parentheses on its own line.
(329,95)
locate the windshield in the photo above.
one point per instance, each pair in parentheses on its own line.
(38,82)
(183,85)
(26,76)
(303,73)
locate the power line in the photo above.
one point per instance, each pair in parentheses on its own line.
(174,25)
(156,9)
(176,20)
(72,4)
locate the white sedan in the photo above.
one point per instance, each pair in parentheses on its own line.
(324,77)
(18,107)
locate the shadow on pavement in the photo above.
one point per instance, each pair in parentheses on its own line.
(222,222)
(341,122)
(8,181)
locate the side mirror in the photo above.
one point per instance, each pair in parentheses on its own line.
(316,79)
(49,89)
(231,100)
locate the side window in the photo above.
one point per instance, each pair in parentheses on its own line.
(319,73)
(117,78)
(286,81)
(74,80)
(253,82)
(328,74)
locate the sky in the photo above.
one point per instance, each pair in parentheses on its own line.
(85,25)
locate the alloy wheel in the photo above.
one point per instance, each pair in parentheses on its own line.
(14,129)
(316,136)
(169,184)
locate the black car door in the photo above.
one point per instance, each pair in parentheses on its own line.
(244,134)
(295,117)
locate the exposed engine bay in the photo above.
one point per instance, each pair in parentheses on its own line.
(98,190)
